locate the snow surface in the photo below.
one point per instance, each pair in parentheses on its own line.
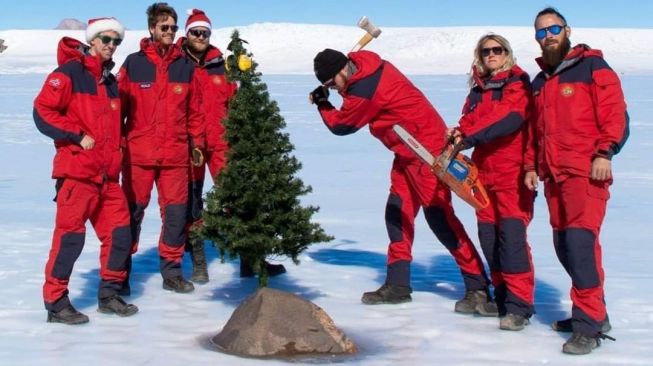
(350,178)
(286,48)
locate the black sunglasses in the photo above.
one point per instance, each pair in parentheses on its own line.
(198,33)
(166,27)
(107,40)
(485,52)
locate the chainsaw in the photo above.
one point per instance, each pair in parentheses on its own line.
(451,167)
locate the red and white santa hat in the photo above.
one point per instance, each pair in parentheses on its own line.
(197,18)
(99,25)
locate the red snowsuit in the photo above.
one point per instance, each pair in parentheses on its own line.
(380,96)
(161,101)
(579,114)
(216,91)
(81,98)
(493,122)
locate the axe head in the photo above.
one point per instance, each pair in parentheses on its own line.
(365,24)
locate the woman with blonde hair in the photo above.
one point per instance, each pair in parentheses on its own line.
(494,123)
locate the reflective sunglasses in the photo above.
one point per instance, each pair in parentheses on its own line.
(107,40)
(553,29)
(198,33)
(485,52)
(165,28)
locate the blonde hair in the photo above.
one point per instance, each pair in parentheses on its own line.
(478,59)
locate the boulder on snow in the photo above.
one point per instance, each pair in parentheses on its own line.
(2,45)
(277,323)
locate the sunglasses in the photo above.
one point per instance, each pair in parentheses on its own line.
(107,40)
(199,33)
(485,52)
(553,29)
(166,27)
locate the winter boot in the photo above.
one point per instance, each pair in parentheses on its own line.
(198,258)
(476,302)
(246,269)
(566,327)
(68,315)
(388,294)
(580,344)
(513,322)
(116,305)
(178,284)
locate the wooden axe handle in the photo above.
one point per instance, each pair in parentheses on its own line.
(367,38)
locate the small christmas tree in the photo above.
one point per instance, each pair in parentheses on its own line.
(253,210)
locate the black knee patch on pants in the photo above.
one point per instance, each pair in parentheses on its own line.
(438,223)
(513,249)
(487,236)
(393,218)
(560,246)
(174,225)
(580,255)
(121,242)
(136,213)
(398,274)
(70,247)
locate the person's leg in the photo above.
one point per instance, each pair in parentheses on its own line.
(195,244)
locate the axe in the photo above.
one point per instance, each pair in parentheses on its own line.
(371,32)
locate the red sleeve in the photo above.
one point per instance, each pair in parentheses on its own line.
(125,96)
(354,113)
(507,116)
(196,125)
(610,107)
(530,152)
(50,108)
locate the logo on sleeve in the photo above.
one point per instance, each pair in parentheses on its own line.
(54,82)
(566,90)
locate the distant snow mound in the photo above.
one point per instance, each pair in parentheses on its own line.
(71,24)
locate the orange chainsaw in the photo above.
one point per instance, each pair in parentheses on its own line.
(453,168)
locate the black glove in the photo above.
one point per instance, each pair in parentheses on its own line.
(320,95)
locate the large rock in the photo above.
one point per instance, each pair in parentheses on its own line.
(2,45)
(277,323)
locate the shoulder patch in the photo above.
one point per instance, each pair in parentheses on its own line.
(54,82)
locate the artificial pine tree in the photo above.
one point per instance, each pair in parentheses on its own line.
(253,210)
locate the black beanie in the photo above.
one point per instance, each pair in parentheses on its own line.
(328,63)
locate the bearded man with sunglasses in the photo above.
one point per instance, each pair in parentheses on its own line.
(79,108)
(377,95)
(579,123)
(161,98)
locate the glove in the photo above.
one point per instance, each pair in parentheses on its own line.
(197,158)
(320,95)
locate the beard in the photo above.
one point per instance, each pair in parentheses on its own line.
(552,56)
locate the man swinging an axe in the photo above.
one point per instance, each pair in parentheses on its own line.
(378,95)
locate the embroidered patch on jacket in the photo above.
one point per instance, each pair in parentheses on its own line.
(177,89)
(145,85)
(114,105)
(567,91)
(217,80)
(55,82)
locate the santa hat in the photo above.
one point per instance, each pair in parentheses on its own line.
(99,25)
(197,18)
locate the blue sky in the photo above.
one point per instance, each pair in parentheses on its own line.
(390,13)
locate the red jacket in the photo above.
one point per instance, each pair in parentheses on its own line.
(81,98)
(493,122)
(379,95)
(161,99)
(216,92)
(579,114)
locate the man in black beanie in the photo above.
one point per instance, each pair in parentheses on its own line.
(375,93)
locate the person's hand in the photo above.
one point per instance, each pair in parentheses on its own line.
(601,169)
(87,142)
(530,180)
(319,95)
(454,135)
(197,157)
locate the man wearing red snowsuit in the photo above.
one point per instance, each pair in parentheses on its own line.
(161,97)
(378,95)
(579,123)
(79,108)
(494,123)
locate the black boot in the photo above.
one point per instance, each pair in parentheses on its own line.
(580,344)
(198,258)
(178,284)
(68,315)
(116,305)
(246,269)
(476,302)
(388,294)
